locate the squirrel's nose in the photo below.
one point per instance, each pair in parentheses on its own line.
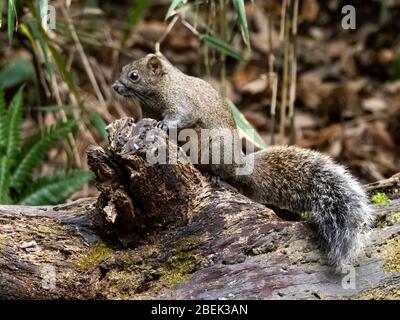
(117,85)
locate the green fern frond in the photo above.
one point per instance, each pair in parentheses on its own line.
(35,149)
(56,188)
(2,102)
(14,125)
(4,180)
(3,123)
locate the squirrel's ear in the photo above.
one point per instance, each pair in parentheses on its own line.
(154,64)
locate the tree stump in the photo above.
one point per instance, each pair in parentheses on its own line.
(162,231)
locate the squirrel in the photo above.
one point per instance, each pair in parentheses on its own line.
(287,177)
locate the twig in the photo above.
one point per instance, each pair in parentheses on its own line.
(272,79)
(190,27)
(283,17)
(84,58)
(71,138)
(164,35)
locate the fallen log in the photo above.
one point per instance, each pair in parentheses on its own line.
(162,232)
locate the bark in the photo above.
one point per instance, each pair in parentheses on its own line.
(163,231)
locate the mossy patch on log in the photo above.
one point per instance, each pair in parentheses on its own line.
(93,257)
(177,268)
(382,293)
(3,241)
(380,198)
(391,255)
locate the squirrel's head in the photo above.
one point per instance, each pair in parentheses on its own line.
(141,78)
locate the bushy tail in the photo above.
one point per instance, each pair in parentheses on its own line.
(302,180)
(341,214)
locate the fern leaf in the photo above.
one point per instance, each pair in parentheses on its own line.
(3,123)
(14,125)
(2,102)
(4,180)
(35,149)
(56,188)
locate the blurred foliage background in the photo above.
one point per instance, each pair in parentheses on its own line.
(287,68)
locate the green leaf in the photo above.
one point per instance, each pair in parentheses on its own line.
(4,180)
(1,11)
(172,7)
(135,14)
(11,17)
(384,13)
(3,123)
(91,12)
(56,188)
(92,3)
(16,72)
(59,61)
(99,124)
(241,12)
(35,150)
(221,46)
(245,127)
(35,35)
(14,125)
(65,73)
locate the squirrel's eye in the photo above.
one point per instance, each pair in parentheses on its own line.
(134,75)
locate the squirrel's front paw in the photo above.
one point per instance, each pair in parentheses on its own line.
(213,179)
(162,125)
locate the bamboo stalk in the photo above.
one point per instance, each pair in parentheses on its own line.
(223,27)
(286,66)
(293,72)
(272,79)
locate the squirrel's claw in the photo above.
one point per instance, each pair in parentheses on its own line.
(162,125)
(213,179)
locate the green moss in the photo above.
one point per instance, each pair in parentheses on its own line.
(4,241)
(391,254)
(177,269)
(382,223)
(45,230)
(380,198)
(126,240)
(93,257)
(173,277)
(181,264)
(396,216)
(388,220)
(382,293)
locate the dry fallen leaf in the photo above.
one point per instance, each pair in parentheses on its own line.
(258,86)
(380,135)
(309,10)
(245,74)
(374,104)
